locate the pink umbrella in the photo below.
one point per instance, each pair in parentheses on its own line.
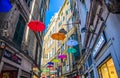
(62,56)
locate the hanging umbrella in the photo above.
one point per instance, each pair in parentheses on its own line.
(49,66)
(62,31)
(56,60)
(45,70)
(50,63)
(5,5)
(62,56)
(58,36)
(36,26)
(72,42)
(71,50)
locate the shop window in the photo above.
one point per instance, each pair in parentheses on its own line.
(107,70)
(111,68)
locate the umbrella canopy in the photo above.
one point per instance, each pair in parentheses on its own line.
(45,70)
(36,26)
(71,50)
(58,36)
(5,5)
(50,63)
(49,66)
(56,60)
(62,56)
(72,42)
(62,31)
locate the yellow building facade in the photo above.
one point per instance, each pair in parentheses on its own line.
(52,48)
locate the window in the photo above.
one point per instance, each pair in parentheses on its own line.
(69,24)
(63,18)
(63,47)
(58,43)
(18,36)
(66,12)
(107,70)
(67,2)
(60,23)
(92,74)
(90,60)
(61,13)
(28,2)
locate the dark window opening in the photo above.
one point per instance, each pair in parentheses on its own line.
(18,35)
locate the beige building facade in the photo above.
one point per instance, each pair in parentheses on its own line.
(21,48)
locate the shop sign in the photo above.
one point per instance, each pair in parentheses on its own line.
(101,41)
(9,55)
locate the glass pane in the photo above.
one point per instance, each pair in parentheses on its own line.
(111,68)
(104,71)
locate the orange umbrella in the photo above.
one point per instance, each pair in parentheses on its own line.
(58,36)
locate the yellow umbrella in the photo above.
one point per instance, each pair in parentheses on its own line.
(56,60)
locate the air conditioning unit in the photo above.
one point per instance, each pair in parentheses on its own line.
(113,5)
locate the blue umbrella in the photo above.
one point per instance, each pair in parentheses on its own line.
(50,63)
(72,42)
(5,5)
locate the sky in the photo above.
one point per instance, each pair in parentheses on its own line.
(54,7)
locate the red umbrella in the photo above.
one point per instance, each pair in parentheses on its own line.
(36,26)
(49,66)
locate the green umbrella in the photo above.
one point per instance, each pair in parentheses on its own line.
(55,60)
(45,70)
(71,50)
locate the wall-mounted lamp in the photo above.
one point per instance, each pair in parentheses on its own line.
(91,29)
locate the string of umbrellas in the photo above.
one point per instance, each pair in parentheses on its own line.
(60,35)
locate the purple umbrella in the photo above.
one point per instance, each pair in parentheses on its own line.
(72,42)
(62,56)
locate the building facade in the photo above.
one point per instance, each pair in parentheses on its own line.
(21,48)
(100,38)
(66,19)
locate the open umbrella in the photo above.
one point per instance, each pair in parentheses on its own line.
(62,56)
(58,36)
(50,63)
(71,50)
(56,60)
(72,42)
(5,5)
(36,26)
(49,66)
(45,70)
(62,31)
